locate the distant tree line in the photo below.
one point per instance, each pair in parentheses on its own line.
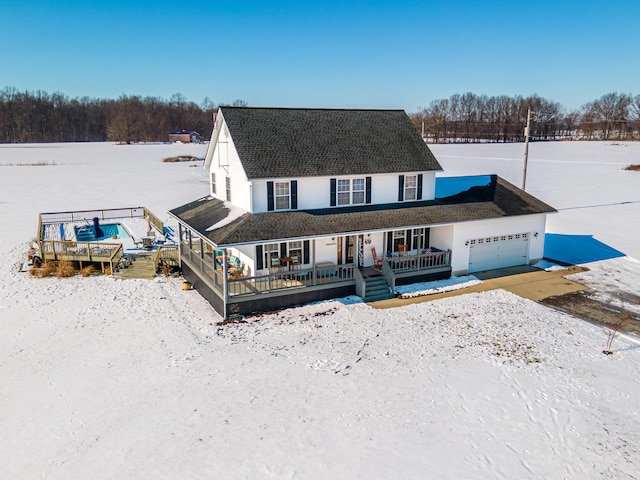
(43,117)
(480,118)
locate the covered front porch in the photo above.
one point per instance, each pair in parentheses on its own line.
(245,278)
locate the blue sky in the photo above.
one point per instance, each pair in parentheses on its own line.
(342,54)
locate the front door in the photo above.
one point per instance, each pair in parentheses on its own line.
(350,253)
(346,249)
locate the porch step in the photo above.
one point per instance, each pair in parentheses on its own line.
(141,267)
(377,289)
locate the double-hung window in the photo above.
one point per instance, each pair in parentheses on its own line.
(213,183)
(228,185)
(410,187)
(358,190)
(420,239)
(344,192)
(281,193)
(271,254)
(399,237)
(351,191)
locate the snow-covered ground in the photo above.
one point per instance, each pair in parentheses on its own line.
(102,378)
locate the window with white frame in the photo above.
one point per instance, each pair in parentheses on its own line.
(351,191)
(282,196)
(344,192)
(418,239)
(399,237)
(358,190)
(271,253)
(295,250)
(410,187)
(228,185)
(213,182)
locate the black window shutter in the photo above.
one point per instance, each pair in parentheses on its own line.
(427,240)
(408,239)
(283,250)
(294,194)
(419,197)
(401,188)
(333,192)
(259,259)
(390,242)
(270,202)
(367,181)
(305,251)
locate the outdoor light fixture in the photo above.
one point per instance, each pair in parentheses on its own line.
(368,239)
(535,234)
(466,244)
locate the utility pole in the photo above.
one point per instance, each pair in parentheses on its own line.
(526,148)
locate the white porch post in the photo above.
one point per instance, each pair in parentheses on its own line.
(224,276)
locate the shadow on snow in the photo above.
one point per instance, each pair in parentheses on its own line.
(577,249)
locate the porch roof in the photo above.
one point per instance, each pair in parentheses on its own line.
(500,199)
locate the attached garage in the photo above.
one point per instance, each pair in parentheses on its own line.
(498,252)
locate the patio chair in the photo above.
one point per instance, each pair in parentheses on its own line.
(147,242)
(276,264)
(403,250)
(377,261)
(294,262)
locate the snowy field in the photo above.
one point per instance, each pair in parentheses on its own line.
(105,379)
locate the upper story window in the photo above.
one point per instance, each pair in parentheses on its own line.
(281,191)
(350,191)
(282,195)
(409,187)
(213,183)
(228,185)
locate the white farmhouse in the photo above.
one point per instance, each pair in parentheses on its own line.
(311,204)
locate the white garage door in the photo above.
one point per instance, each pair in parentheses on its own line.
(498,252)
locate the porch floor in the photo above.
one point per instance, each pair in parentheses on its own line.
(370,272)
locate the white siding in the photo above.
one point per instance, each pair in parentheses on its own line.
(224,162)
(504,226)
(315,192)
(326,249)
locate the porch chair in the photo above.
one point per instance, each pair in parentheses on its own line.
(377,261)
(276,264)
(403,250)
(294,262)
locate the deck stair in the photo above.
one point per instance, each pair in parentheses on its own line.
(139,266)
(377,289)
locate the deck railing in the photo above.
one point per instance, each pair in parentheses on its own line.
(166,255)
(72,251)
(424,261)
(155,221)
(290,279)
(88,215)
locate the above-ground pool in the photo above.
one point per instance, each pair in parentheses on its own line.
(87,233)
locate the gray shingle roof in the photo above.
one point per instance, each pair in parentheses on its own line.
(287,142)
(500,199)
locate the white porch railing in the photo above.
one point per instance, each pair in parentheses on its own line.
(423,261)
(290,279)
